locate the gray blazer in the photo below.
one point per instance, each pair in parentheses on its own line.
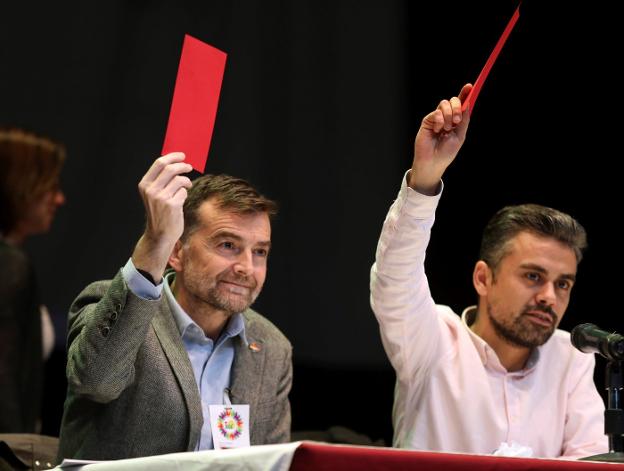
(131,388)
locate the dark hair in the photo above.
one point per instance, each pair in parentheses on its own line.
(234,194)
(30,166)
(539,220)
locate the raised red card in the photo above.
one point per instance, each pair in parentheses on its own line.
(195,101)
(474,93)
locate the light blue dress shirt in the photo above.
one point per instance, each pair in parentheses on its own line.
(211,361)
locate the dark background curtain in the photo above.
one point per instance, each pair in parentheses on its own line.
(319,107)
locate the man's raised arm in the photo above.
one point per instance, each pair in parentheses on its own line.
(400,295)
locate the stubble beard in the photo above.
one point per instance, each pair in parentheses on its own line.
(220,298)
(217,295)
(520,331)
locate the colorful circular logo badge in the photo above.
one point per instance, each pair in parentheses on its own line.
(230,424)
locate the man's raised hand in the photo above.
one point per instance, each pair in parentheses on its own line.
(441,135)
(163,190)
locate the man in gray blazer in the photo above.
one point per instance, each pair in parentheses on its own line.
(150,350)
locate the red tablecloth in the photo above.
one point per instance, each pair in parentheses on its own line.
(312,456)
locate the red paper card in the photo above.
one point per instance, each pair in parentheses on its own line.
(195,100)
(471,99)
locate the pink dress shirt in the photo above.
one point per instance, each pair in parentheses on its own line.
(452,393)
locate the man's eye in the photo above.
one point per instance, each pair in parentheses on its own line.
(564,284)
(227,245)
(261,252)
(533,276)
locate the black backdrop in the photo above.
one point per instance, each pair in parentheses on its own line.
(320,103)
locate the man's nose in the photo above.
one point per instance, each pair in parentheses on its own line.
(546,296)
(244,263)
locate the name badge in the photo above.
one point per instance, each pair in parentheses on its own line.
(230,425)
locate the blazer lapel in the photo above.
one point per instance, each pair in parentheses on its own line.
(248,370)
(171,342)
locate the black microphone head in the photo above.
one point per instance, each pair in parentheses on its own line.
(589,338)
(578,336)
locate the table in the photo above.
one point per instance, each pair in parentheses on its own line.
(316,456)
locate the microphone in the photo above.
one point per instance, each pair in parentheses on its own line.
(588,338)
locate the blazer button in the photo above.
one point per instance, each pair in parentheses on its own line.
(105,331)
(113,316)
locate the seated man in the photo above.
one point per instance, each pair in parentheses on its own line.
(501,373)
(150,350)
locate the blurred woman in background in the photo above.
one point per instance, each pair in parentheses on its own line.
(30,194)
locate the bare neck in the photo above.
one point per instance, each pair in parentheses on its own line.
(209,319)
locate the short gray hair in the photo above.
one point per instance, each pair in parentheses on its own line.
(539,220)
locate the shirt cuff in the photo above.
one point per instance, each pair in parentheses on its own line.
(140,285)
(416,204)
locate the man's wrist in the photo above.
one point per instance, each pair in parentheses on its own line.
(431,187)
(148,276)
(141,282)
(152,256)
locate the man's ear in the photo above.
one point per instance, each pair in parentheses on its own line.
(175,259)
(482,278)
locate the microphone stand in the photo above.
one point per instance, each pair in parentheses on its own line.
(614,415)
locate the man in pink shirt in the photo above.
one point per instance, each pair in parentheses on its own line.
(501,375)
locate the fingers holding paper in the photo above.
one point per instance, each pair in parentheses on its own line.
(441,135)
(163,189)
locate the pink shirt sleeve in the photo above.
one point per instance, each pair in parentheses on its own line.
(400,296)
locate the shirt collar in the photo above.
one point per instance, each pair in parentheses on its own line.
(188,328)
(487,353)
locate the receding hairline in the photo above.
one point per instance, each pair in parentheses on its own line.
(507,247)
(217,203)
(231,207)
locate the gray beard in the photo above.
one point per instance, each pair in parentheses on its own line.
(224,303)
